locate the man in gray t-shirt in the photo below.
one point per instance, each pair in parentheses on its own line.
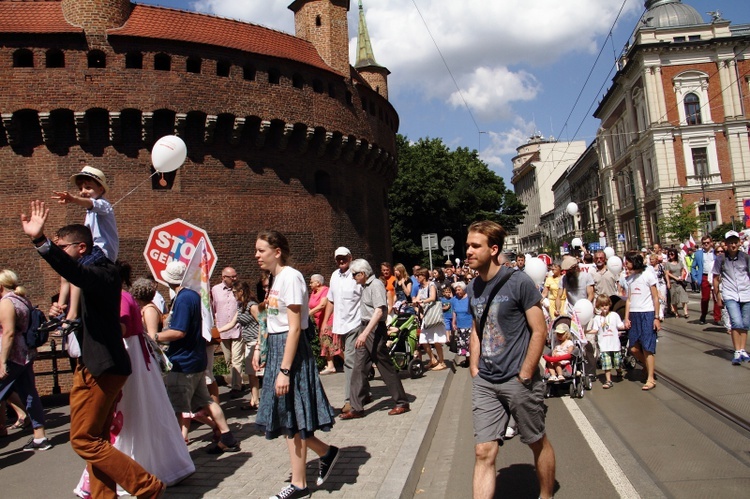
(504,362)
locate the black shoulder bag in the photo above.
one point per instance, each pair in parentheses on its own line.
(486,310)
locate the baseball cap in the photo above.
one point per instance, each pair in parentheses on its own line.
(174,273)
(568,262)
(562,328)
(731,233)
(342,251)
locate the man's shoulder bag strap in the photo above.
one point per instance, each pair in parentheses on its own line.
(486,310)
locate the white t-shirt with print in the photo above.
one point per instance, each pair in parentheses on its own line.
(288,288)
(607,328)
(639,291)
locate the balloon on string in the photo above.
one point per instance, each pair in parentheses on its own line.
(576,242)
(536,269)
(614,265)
(609,252)
(168,154)
(572,209)
(584,310)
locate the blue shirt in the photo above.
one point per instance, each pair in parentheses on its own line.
(414,286)
(461,309)
(100,219)
(188,354)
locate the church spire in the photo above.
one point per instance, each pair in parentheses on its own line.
(365,56)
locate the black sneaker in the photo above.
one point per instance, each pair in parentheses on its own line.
(292,492)
(31,446)
(326,464)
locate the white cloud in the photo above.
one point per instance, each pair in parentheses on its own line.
(489,92)
(504,144)
(272,14)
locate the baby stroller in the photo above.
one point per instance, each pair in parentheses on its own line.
(628,360)
(403,338)
(575,375)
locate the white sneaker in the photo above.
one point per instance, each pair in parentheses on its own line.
(510,432)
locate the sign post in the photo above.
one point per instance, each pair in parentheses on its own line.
(176,240)
(429,243)
(447,243)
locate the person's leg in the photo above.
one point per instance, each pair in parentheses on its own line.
(18,407)
(237,351)
(27,392)
(360,371)
(213,388)
(385,367)
(298,457)
(650,364)
(484,479)
(349,358)
(705,296)
(439,351)
(544,461)
(92,402)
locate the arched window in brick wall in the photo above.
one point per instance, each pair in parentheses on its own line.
(55,58)
(97,59)
(162,62)
(317,86)
(322,183)
(193,65)
(274,76)
(23,58)
(298,81)
(134,60)
(248,72)
(223,68)
(318,20)
(332,90)
(692,109)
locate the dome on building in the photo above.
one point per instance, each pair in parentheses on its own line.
(669,14)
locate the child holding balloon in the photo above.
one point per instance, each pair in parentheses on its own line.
(100,219)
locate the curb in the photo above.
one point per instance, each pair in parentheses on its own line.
(403,476)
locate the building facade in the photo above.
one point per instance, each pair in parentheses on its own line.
(536,168)
(282,132)
(675,122)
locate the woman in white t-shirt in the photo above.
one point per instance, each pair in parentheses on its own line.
(293,403)
(643,301)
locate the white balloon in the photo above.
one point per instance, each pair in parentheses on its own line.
(572,208)
(584,310)
(168,154)
(609,252)
(576,242)
(614,264)
(536,269)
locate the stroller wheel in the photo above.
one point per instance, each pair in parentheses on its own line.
(416,368)
(579,390)
(547,390)
(572,390)
(630,362)
(587,383)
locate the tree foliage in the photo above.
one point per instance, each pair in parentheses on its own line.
(680,221)
(443,191)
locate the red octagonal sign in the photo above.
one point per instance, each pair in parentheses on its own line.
(175,240)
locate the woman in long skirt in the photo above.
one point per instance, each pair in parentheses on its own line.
(292,401)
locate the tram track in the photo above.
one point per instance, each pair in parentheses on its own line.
(697,396)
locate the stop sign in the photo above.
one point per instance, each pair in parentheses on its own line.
(545,258)
(175,240)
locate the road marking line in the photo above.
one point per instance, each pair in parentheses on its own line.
(615,474)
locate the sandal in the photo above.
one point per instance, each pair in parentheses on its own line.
(607,385)
(20,424)
(648,386)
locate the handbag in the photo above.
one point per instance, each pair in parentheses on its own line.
(433,315)
(157,354)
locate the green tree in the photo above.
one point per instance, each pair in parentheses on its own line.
(680,220)
(443,191)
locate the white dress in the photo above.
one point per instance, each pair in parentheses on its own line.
(145,426)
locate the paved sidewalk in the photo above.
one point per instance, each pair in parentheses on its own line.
(382,455)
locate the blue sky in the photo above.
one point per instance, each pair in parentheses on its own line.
(520,64)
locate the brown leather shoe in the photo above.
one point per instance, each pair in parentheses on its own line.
(399,409)
(352,414)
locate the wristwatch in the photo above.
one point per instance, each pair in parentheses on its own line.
(156,337)
(524,381)
(285,372)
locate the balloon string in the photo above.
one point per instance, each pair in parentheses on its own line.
(134,189)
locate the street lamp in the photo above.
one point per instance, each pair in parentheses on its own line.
(629,175)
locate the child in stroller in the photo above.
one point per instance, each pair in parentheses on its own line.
(403,336)
(558,363)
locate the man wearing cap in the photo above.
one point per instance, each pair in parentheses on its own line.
(703,262)
(344,295)
(186,381)
(104,366)
(732,289)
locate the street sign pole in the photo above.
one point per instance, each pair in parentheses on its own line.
(429,243)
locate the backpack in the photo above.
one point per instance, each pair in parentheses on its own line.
(33,336)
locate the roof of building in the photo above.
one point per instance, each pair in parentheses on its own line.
(365,54)
(163,23)
(34,17)
(669,14)
(170,24)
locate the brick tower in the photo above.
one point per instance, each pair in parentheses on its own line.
(324,24)
(96,17)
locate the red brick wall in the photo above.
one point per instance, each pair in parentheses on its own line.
(331,38)
(96,15)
